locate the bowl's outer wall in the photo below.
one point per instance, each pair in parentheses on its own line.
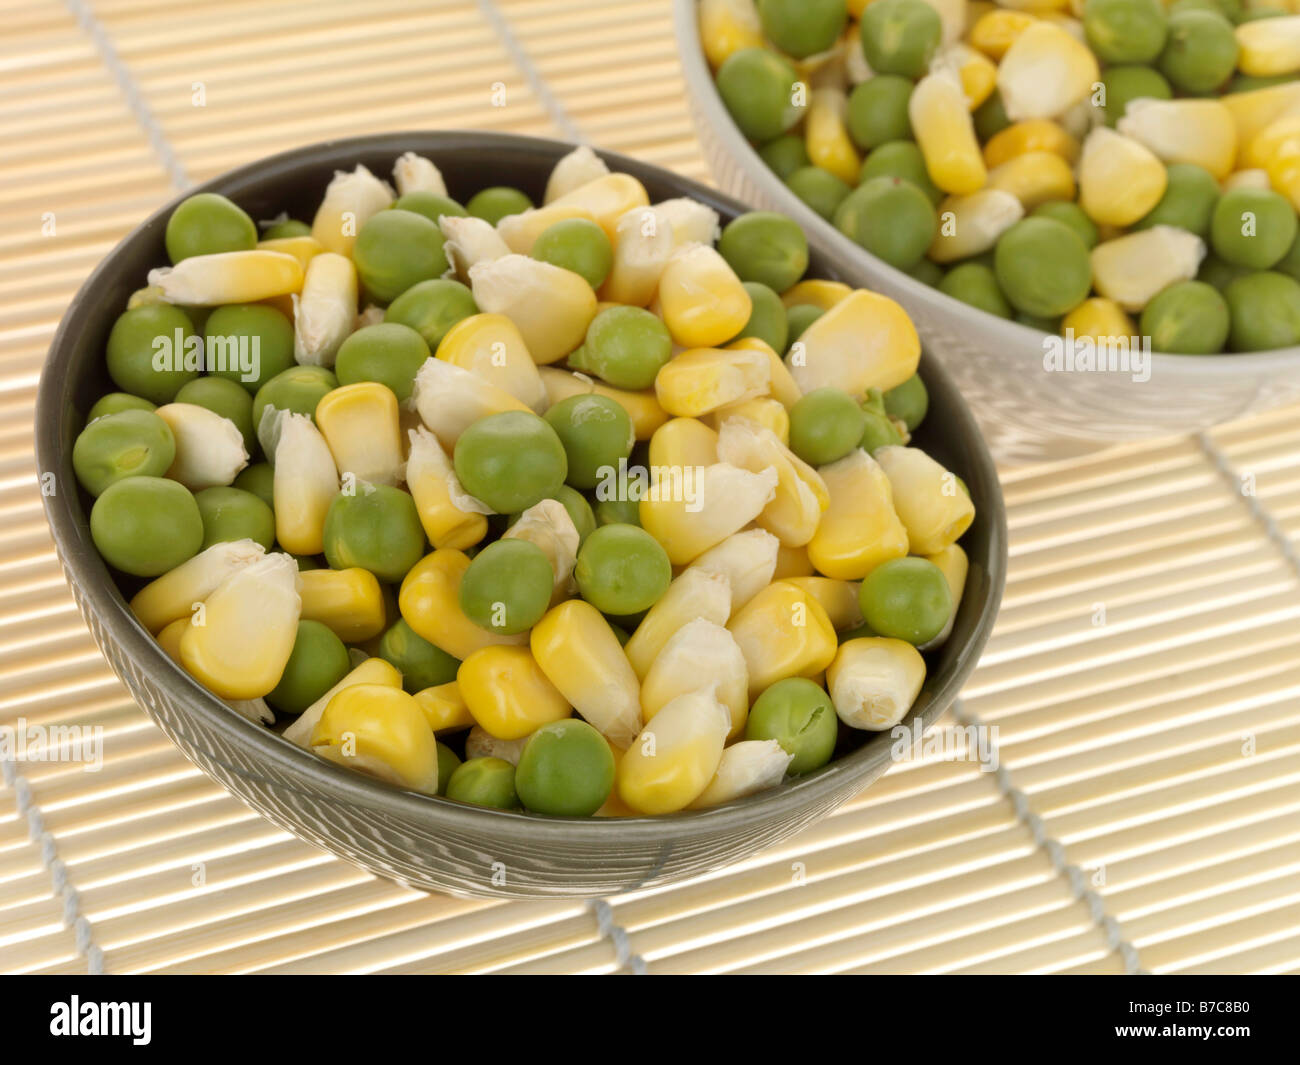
(1027,413)
(428,843)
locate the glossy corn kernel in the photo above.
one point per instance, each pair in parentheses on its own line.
(1247,179)
(1269,46)
(349,202)
(689,511)
(607,199)
(945,133)
(415,173)
(228,277)
(763,411)
(429,600)
(547,525)
(507,693)
(1031,135)
(674,758)
(305,482)
(1184,131)
(324,315)
(782,632)
(1100,319)
(745,768)
(864,341)
(451,399)
(444,708)
(642,248)
(642,407)
(491,346)
(361,426)
(971,225)
(930,502)
(172,597)
(169,638)
(800,496)
(696,593)
(237,646)
(520,231)
(1034,178)
(573,171)
(874,681)
(781,384)
(371,671)
(450,516)
(1133,268)
(994,32)
(860,528)
(977,73)
(838,598)
(1284,173)
(954,566)
(701,380)
(1120,179)
(578,651)
(1279,135)
(347,601)
(682,442)
(209,448)
(745,560)
(702,654)
(827,136)
(304,249)
(469,241)
(380,731)
(1257,109)
(1045,72)
(551,306)
(792,562)
(816,292)
(704,303)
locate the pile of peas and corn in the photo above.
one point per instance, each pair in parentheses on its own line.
(1099,168)
(496,463)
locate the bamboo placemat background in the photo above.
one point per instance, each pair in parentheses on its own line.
(1143,678)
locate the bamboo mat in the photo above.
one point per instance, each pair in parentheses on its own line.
(1143,678)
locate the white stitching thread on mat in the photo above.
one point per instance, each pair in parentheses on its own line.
(144,115)
(1257,509)
(1055,851)
(617,935)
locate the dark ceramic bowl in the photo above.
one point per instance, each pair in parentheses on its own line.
(426,842)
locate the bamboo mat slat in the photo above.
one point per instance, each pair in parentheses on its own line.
(1141,691)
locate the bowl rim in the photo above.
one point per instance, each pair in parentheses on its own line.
(1015,335)
(100,598)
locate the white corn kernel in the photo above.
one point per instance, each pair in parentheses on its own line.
(209,449)
(414,173)
(349,202)
(325,312)
(746,767)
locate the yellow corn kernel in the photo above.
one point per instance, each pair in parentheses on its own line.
(429,600)
(491,346)
(573,171)
(507,692)
(347,601)
(1284,173)
(782,632)
(1120,179)
(415,173)
(874,681)
(838,598)
(792,562)
(930,502)
(827,135)
(861,528)
(551,306)
(1031,135)
(800,496)
(607,199)
(994,32)
(971,225)
(169,638)
(865,341)
(547,524)
(674,758)
(239,644)
(816,293)
(696,593)
(703,301)
(1100,319)
(372,671)
(1273,138)
(1034,178)
(520,231)
(954,566)
(444,707)
(746,560)
(682,442)
(381,731)
(1269,46)
(1184,131)
(642,407)
(763,410)
(1045,72)
(727,26)
(451,518)
(745,768)
(701,654)
(579,653)
(978,74)
(1133,268)
(642,248)
(781,384)
(360,424)
(1247,179)
(451,399)
(470,241)
(689,511)
(700,380)
(945,133)
(304,484)
(1257,109)
(325,313)
(172,596)
(349,202)
(229,277)
(304,249)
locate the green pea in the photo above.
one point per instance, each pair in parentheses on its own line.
(618,512)
(578,245)
(233,514)
(596,433)
(422,664)
(900,159)
(908,402)
(625,346)
(1125,31)
(431,308)
(430,204)
(803,27)
(767,320)
(289,227)
(622,570)
(990,117)
(318,661)
(927,272)
(880,431)
(1042,267)
(205,224)
(510,461)
(579,510)
(376,528)
(259,478)
(1265,309)
(147,351)
(900,36)
(1249,83)
(388,352)
(248,343)
(975,284)
(395,250)
(800,317)
(1289,264)
(146,526)
(507,587)
(758,89)
(799,715)
(227,398)
(296,389)
(819,189)
(448,763)
(878,111)
(1073,216)
(1252,227)
(1200,53)
(305,562)
(484,782)
(566,769)
(130,443)
(1188,201)
(1187,318)
(889,217)
(825,425)
(115,403)
(495,203)
(765,247)
(874,400)
(1124,83)
(785,154)
(906,599)
(1214,271)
